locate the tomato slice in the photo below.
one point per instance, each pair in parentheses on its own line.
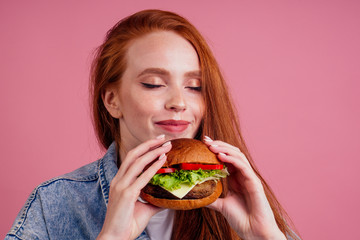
(166,170)
(195,166)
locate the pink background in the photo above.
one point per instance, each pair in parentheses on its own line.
(292,66)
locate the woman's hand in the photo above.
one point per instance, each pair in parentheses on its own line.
(126,217)
(245,207)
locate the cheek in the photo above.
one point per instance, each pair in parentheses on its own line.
(199,108)
(140,105)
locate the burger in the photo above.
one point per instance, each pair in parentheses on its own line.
(189,179)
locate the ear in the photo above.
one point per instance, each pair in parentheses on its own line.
(111,100)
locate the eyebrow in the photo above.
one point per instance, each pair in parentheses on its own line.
(163,72)
(193,74)
(158,71)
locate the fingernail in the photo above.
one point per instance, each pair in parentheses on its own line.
(141,200)
(166,144)
(206,138)
(160,136)
(162,156)
(214,145)
(222,154)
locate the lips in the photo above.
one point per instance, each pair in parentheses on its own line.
(173,125)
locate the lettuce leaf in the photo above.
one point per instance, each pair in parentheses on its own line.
(171,181)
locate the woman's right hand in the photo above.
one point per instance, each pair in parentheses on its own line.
(126,217)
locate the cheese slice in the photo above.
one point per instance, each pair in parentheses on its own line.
(182,191)
(186,188)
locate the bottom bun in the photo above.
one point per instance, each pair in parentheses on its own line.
(185,204)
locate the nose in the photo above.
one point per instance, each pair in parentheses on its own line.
(176,101)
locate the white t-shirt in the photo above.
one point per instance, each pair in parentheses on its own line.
(160,225)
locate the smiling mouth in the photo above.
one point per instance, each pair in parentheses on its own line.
(173,125)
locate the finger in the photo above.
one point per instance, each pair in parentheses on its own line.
(232,155)
(219,149)
(144,161)
(133,189)
(128,192)
(145,177)
(223,147)
(138,152)
(208,141)
(249,180)
(239,164)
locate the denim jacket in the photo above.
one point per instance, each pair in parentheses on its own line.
(71,206)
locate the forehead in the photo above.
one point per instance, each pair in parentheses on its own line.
(162,49)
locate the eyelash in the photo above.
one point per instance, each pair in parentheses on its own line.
(150,86)
(198,89)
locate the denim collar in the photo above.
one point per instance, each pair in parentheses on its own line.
(107,170)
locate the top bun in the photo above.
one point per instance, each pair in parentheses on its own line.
(188,150)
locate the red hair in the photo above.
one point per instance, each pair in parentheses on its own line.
(220,119)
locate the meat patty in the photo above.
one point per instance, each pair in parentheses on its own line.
(199,191)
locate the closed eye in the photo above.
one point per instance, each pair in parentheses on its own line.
(148,85)
(198,89)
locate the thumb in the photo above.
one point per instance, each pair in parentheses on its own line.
(153,209)
(148,210)
(217,205)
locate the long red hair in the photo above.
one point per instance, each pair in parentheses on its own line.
(220,119)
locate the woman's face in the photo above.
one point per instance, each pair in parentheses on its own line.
(160,91)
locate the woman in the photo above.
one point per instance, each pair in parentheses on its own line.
(154,79)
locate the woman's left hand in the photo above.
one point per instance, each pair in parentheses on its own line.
(245,207)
